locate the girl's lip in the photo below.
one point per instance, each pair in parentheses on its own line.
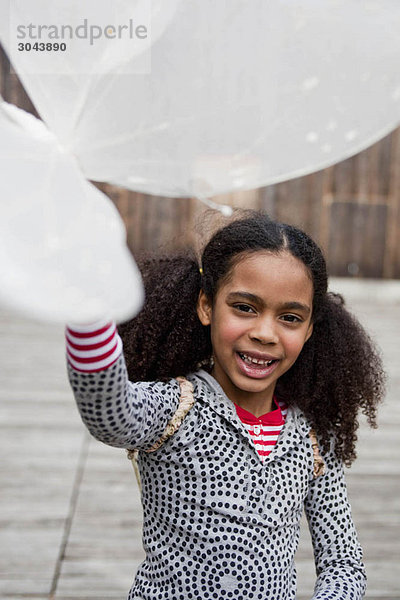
(254,370)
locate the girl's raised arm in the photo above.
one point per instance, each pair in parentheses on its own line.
(337,552)
(116,411)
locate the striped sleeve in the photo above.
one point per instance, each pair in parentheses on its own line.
(92,348)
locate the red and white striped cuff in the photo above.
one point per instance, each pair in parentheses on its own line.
(93,347)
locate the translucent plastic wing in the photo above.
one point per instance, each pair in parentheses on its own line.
(237,94)
(63,255)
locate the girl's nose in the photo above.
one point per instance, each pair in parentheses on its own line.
(264,331)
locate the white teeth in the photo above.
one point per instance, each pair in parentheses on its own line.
(256,361)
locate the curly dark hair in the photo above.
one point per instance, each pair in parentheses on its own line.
(339,370)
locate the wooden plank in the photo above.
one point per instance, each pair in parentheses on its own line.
(392,250)
(104,548)
(40,437)
(357,239)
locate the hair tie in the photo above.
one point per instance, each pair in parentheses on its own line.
(200,271)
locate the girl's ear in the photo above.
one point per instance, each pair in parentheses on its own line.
(204,309)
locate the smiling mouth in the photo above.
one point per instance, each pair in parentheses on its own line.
(256,367)
(256,361)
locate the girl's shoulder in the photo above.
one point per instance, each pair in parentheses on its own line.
(194,385)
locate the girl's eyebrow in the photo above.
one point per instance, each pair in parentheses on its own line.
(256,299)
(246,296)
(297,306)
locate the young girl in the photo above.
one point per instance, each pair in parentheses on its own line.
(268,355)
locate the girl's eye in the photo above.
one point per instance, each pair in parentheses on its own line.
(244,308)
(292,319)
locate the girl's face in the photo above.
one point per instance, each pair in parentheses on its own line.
(259,322)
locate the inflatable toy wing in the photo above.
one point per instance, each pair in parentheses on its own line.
(63,255)
(226,96)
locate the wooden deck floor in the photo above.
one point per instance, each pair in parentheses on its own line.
(70,512)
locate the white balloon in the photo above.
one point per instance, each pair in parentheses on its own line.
(63,255)
(240,94)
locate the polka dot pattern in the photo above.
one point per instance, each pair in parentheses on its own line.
(218,522)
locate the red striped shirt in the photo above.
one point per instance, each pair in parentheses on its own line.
(264,430)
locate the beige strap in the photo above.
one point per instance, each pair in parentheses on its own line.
(186,402)
(319,463)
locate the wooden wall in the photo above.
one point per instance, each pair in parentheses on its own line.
(352,209)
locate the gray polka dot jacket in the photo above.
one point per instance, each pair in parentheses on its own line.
(218,522)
